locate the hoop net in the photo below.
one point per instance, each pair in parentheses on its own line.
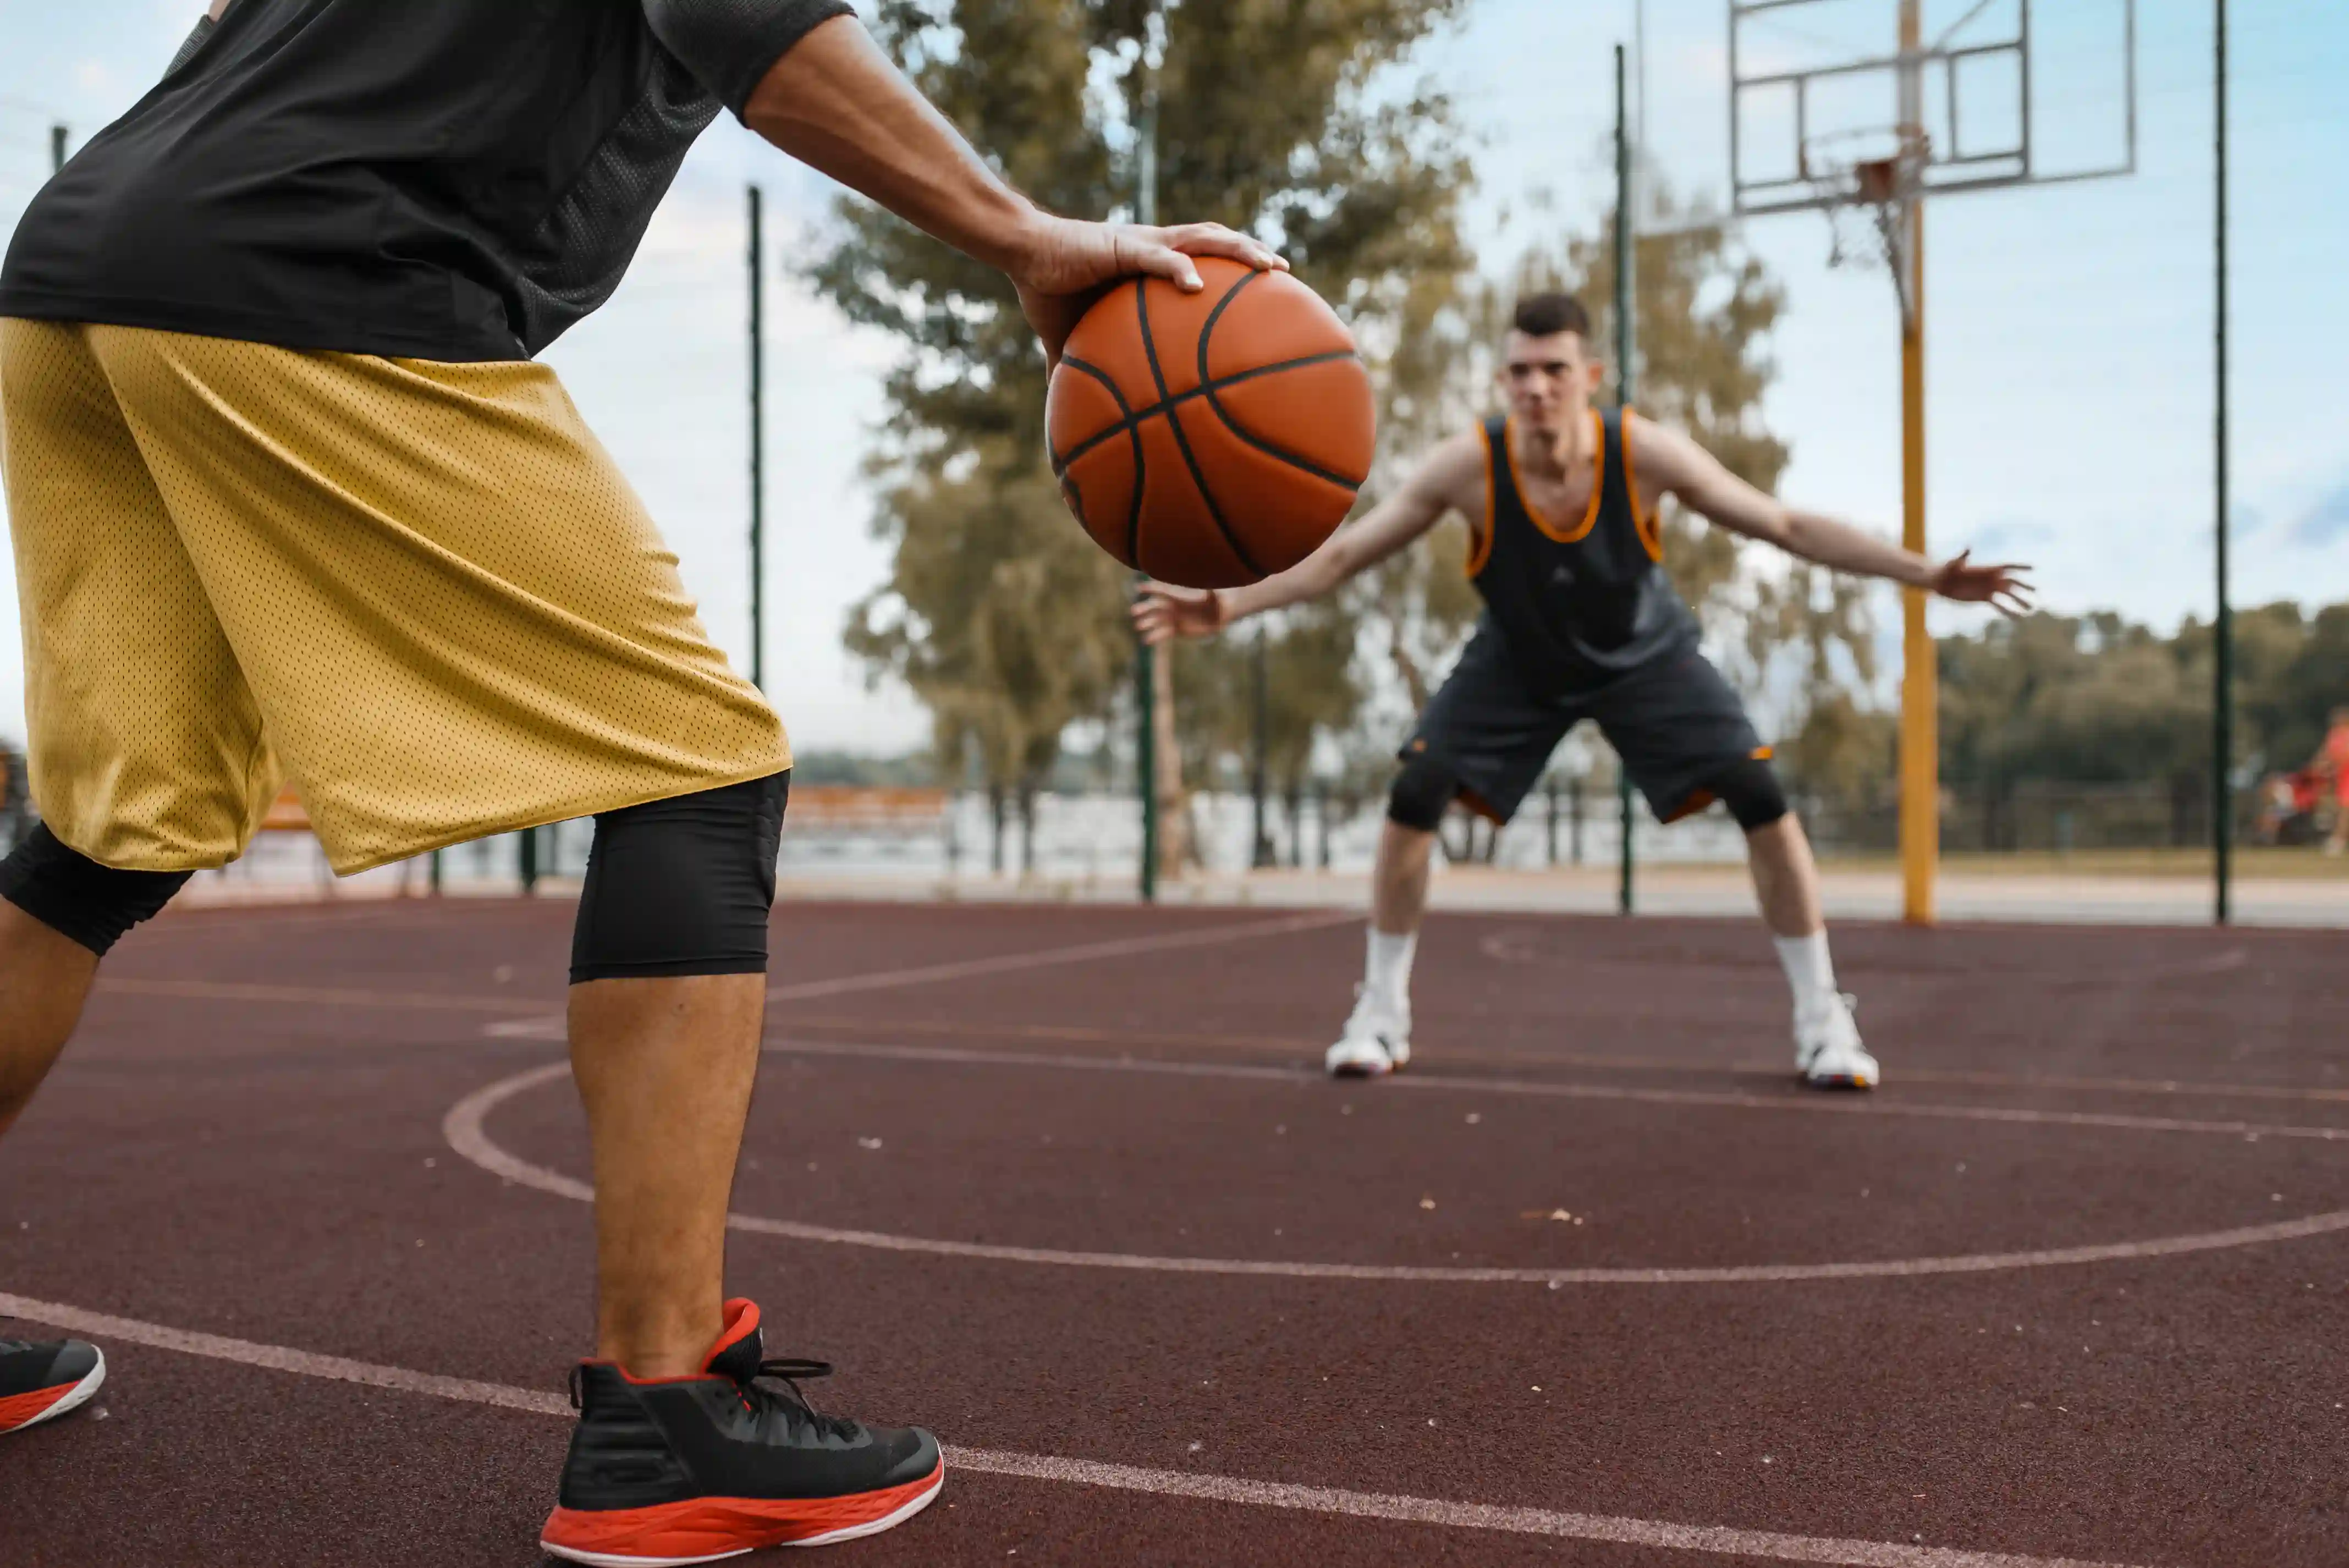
(1867,200)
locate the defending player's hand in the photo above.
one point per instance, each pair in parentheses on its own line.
(2004,588)
(1064,265)
(1162,613)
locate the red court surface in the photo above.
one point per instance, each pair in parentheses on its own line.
(1594,1284)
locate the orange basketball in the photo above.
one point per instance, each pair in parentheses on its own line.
(1214,439)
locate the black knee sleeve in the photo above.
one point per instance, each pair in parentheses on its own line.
(1751,793)
(1421,792)
(76,897)
(681,886)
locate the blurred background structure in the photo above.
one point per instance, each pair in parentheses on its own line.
(952,654)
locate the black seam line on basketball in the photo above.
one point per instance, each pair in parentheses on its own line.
(1205,333)
(1103,437)
(1181,441)
(1131,424)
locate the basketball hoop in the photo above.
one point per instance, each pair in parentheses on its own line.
(1866,203)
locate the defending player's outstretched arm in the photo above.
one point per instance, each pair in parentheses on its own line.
(835,103)
(1677,465)
(1450,479)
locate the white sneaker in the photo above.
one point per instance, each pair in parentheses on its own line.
(1827,1052)
(1376,1041)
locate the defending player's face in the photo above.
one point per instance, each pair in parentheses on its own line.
(1548,380)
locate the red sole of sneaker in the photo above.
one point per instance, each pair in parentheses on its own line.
(707,1529)
(20,1411)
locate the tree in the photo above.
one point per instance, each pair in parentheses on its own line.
(962,622)
(1267,121)
(2097,700)
(1312,690)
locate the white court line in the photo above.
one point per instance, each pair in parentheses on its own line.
(1615,1530)
(465,1130)
(1051,957)
(550,1026)
(1806,1103)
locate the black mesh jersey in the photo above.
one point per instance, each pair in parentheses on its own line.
(1580,600)
(453,180)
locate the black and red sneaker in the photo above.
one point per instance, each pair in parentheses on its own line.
(691,1470)
(39,1382)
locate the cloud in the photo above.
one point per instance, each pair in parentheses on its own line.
(2327,522)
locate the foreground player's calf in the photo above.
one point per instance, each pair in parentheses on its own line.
(44,978)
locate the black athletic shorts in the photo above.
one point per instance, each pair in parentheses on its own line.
(1674,721)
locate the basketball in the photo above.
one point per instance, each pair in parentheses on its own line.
(1211,439)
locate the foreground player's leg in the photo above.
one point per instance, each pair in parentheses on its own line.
(681,1454)
(44,976)
(59,912)
(652,1057)
(1828,1053)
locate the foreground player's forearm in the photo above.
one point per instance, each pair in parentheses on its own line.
(1843,547)
(836,104)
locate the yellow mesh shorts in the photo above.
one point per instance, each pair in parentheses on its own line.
(422,589)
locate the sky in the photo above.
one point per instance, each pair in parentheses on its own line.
(2069,328)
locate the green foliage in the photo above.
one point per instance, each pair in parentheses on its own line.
(2095,699)
(1266,123)
(1310,687)
(1005,634)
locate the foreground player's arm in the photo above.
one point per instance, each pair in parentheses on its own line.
(834,101)
(1453,472)
(1681,467)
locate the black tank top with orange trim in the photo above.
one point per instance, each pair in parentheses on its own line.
(1578,600)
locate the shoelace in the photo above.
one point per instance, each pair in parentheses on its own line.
(785,1369)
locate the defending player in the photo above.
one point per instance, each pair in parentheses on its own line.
(287,491)
(1580,622)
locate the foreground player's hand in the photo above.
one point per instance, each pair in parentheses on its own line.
(1064,265)
(2004,588)
(1162,613)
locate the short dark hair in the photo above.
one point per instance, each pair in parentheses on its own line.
(1543,314)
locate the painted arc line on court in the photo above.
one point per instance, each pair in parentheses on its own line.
(1614,1529)
(550,1026)
(465,1132)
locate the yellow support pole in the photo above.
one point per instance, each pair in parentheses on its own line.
(1920,784)
(1921,781)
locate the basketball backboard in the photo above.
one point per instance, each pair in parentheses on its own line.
(1993,96)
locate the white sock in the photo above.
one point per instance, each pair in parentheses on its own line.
(1810,972)
(1386,975)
